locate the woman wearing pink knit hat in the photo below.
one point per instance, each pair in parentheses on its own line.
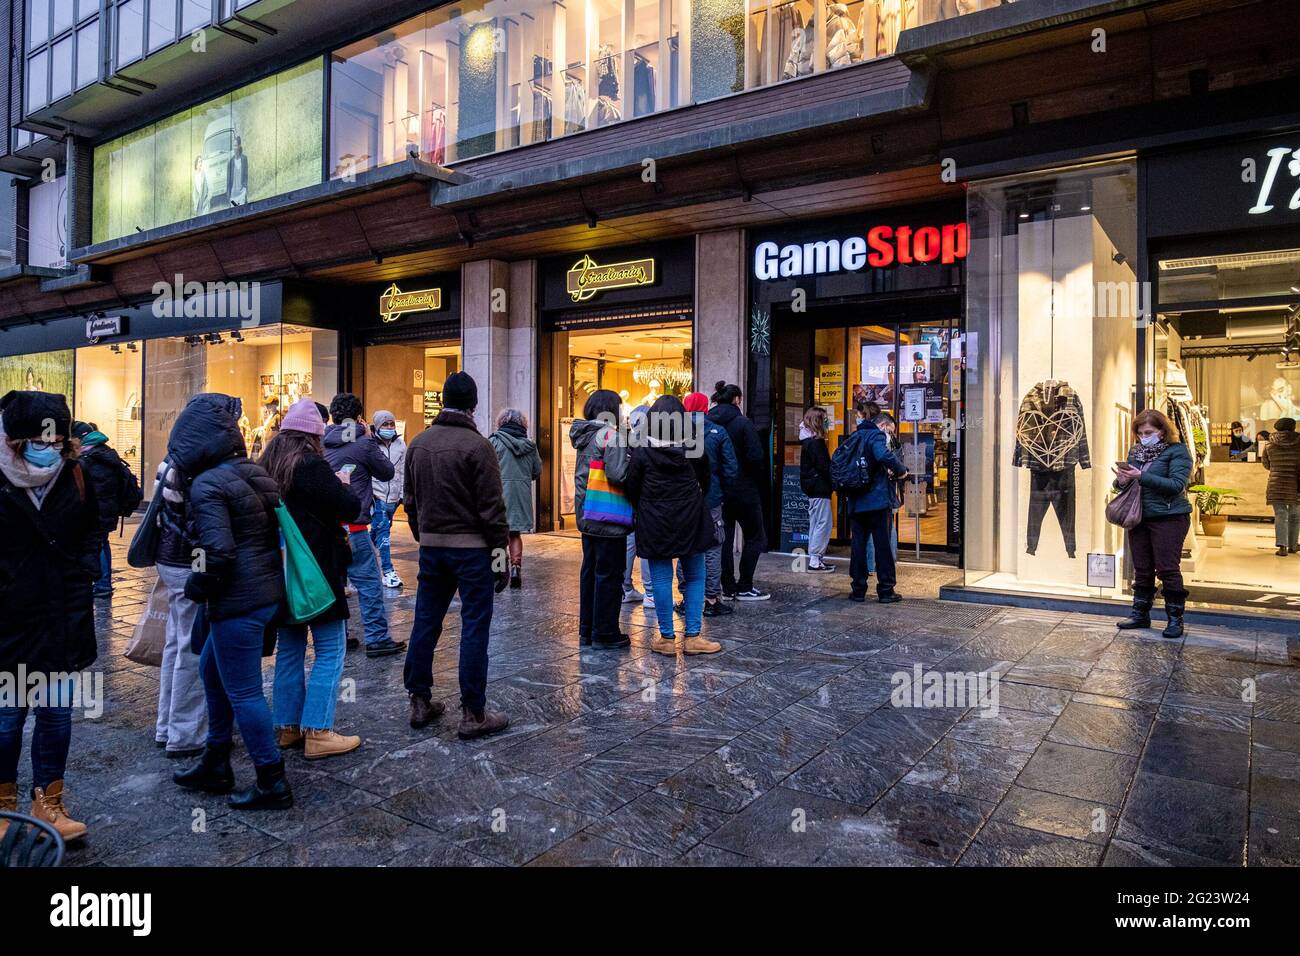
(303,708)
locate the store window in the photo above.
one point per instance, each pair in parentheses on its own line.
(1050,378)
(469,79)
(268,368)
(262,140)
(640,364)
(1224,363)
(110,396)
(407,380)
(40,371)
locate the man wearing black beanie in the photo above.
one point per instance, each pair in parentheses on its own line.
(456,509)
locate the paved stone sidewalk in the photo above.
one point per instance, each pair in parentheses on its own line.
(1108,748)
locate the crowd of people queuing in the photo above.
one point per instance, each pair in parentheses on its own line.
(669,486)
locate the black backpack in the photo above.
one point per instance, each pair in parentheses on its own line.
(851,465)
(129,494)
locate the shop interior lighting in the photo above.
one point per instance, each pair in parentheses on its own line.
(1241,260)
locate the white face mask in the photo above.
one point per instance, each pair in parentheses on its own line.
(1150,440)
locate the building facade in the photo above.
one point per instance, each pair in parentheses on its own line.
(1013,224)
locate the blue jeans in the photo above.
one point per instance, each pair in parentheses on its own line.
(308,704)
(630,563)
(1286,525)
(381,533)
(661,574)
(51,737)
(231,667)
(443,571)
(105,580)
(363,572)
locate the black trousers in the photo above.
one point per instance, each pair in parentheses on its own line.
(875,524)
(1157,549)
(749,515)
(1055,490)
(601,586)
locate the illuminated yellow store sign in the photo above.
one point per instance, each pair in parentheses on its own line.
(586,278)
(395,303)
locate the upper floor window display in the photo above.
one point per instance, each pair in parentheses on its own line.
(261,140)
(62,50)
(492,74)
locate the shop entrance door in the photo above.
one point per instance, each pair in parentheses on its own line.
(833,367)
(639,363)
(406,379)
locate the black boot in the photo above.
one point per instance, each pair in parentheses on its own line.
(1140,616)
(270,793)
(212,774)
(516,577)
(1175,604)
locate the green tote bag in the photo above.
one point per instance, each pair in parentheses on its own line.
(309,594)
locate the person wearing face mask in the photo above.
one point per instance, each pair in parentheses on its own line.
(49,555)
(1162,465)
(388,494)
(1240,444)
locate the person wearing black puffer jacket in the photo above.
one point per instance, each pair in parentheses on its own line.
(742,498)
(182,723)
(231,521)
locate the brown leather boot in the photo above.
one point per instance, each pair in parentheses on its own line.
(288,737)
(47,805)
(662,645)
(8,803)
(326,743)
(423,712)
(700,645)
(471,726)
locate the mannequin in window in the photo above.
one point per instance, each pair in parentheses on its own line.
(656,389)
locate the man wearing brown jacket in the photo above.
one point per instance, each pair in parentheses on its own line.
(457,513)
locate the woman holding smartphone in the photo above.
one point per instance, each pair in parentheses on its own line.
(1162,465)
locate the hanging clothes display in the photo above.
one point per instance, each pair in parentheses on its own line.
(433,135)
(575,103)
(1051,441)
(643,87)
(788,32)
(799,60)
(606,72)
(888,16)
(1191,420)
(541,123)
(842,42)
(605,111)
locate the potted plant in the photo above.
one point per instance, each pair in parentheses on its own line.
(1211,501)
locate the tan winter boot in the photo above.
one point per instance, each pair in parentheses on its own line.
(47,805)
(326,743)
(8,803)
(699,645)
(288,737)
(663,645)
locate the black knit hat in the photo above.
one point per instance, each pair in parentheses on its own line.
(1284,425)
(29,414)
(460,392)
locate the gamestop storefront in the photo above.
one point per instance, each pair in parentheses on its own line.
(863,306)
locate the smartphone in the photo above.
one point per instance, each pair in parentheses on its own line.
(348,469)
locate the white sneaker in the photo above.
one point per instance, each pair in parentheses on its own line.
(649,601)
(391,580)
(753,594)
(349,591)
(632,596)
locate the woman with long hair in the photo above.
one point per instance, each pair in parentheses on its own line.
(1162,465)
(604,517)
(303,709)
(815,482)
(521,465)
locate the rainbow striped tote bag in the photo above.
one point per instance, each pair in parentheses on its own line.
(605,501)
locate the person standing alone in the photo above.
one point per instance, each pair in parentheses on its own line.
(350,448)
(456,512)
(1282,459)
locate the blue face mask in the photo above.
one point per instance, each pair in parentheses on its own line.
(40,454)
(387,434)
(1150,440)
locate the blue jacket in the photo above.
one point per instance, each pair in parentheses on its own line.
(723,465)
(887,468)
(363,450)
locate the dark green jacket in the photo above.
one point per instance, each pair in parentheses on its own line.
(1164,483)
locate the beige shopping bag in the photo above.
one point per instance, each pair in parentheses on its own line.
(150,635)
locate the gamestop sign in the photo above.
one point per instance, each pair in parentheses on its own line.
(882,247)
